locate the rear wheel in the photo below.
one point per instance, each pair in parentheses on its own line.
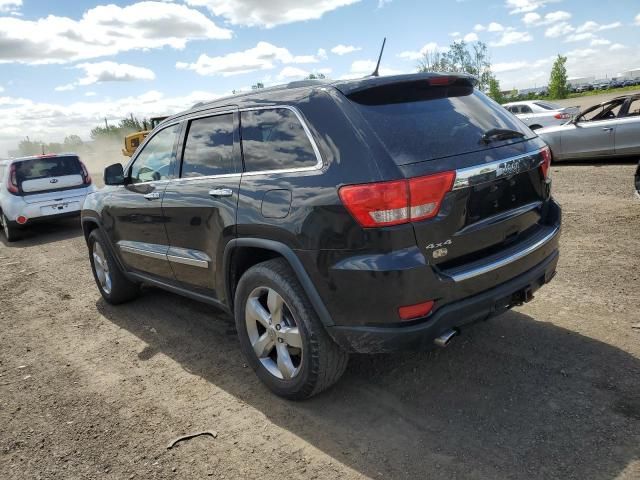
(281,336)
(535,127)
(114,287)
(10,231)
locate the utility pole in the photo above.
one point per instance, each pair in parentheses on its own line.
(106,125)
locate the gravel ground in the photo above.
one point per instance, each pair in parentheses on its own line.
(549,390)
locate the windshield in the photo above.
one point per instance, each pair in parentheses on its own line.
(451,123)
(47,167)
(548,106)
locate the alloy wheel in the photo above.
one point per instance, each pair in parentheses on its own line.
(102,268)
(273,333)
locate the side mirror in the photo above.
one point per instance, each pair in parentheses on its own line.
(114,174)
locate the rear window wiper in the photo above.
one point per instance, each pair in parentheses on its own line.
(499,134)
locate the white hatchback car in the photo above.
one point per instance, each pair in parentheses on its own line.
(44,187)
(539,114)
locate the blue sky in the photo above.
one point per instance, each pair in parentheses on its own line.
(66,65)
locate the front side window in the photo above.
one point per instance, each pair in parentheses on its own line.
(634,110)
(209,147)
(157,158)
(274,139)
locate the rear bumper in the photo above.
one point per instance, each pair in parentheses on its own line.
(420,336)
(46,208)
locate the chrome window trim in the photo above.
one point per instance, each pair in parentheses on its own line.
(477,271)
(185,256)
(465,176)
(319,162)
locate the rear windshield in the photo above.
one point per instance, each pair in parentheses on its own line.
(435,123)
(47,167)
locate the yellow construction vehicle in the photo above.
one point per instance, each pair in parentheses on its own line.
(133,140)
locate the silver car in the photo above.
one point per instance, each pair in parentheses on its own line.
(606,130)
(44,187)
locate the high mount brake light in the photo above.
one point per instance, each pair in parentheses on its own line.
(546,161)
(12,180)
(397,202)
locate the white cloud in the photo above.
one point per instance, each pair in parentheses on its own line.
(580,37)
(1,89)
(52,121)
(65,88)
(471,37)
(269,14)
(322,54)
(104,30)
(455,34)
(90,94)
(495,27)
(524,6)
(507,66)
(479,28)
(510,37)
(531,18)
(292,72)
(591,26)
(9,6)
(108,72)
(597,42)
(617,46)
(638,19)
(264,56)
(558,30)
(418,54)
(344,49)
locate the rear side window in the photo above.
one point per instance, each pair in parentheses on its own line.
(47,167)
(274,139)
(209,147)
(525,109)
(428,123)
(548,106)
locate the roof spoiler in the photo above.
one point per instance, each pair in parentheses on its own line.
(349,87)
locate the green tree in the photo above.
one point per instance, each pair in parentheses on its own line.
(316,76)
(494,90)
(72,141)
(558,87)
(257,85)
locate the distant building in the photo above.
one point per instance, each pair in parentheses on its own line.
(631,73)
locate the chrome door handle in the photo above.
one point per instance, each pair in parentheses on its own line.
(152,196)
(607,129)
(221,192)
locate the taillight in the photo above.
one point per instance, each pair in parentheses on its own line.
(418,310)
(397,202)
(85,174)
(562,116)
(546,161)
(12,181)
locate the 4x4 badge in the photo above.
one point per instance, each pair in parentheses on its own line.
(431,246)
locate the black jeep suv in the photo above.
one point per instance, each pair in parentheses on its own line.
(369,215)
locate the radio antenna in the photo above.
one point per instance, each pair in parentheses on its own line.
(375,72)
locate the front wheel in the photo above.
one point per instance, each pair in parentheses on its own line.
(281,336)
(114,287)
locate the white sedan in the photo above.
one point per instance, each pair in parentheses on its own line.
(539,114)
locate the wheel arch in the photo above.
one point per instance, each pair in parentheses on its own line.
(241,254)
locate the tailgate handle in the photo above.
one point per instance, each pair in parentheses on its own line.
(152,196)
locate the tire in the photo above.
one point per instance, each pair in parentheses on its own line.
(114,287)
(10,231)
(314,360)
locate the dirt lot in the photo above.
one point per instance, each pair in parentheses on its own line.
(551,390)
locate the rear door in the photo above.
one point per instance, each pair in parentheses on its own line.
(200,205)
(627,135)
(133,216)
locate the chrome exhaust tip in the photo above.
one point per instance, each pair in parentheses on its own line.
(444,339)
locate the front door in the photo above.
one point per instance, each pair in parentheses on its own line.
(134,219)
(201,204)
(628,130)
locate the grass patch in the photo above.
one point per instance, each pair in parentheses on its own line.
(590,93)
